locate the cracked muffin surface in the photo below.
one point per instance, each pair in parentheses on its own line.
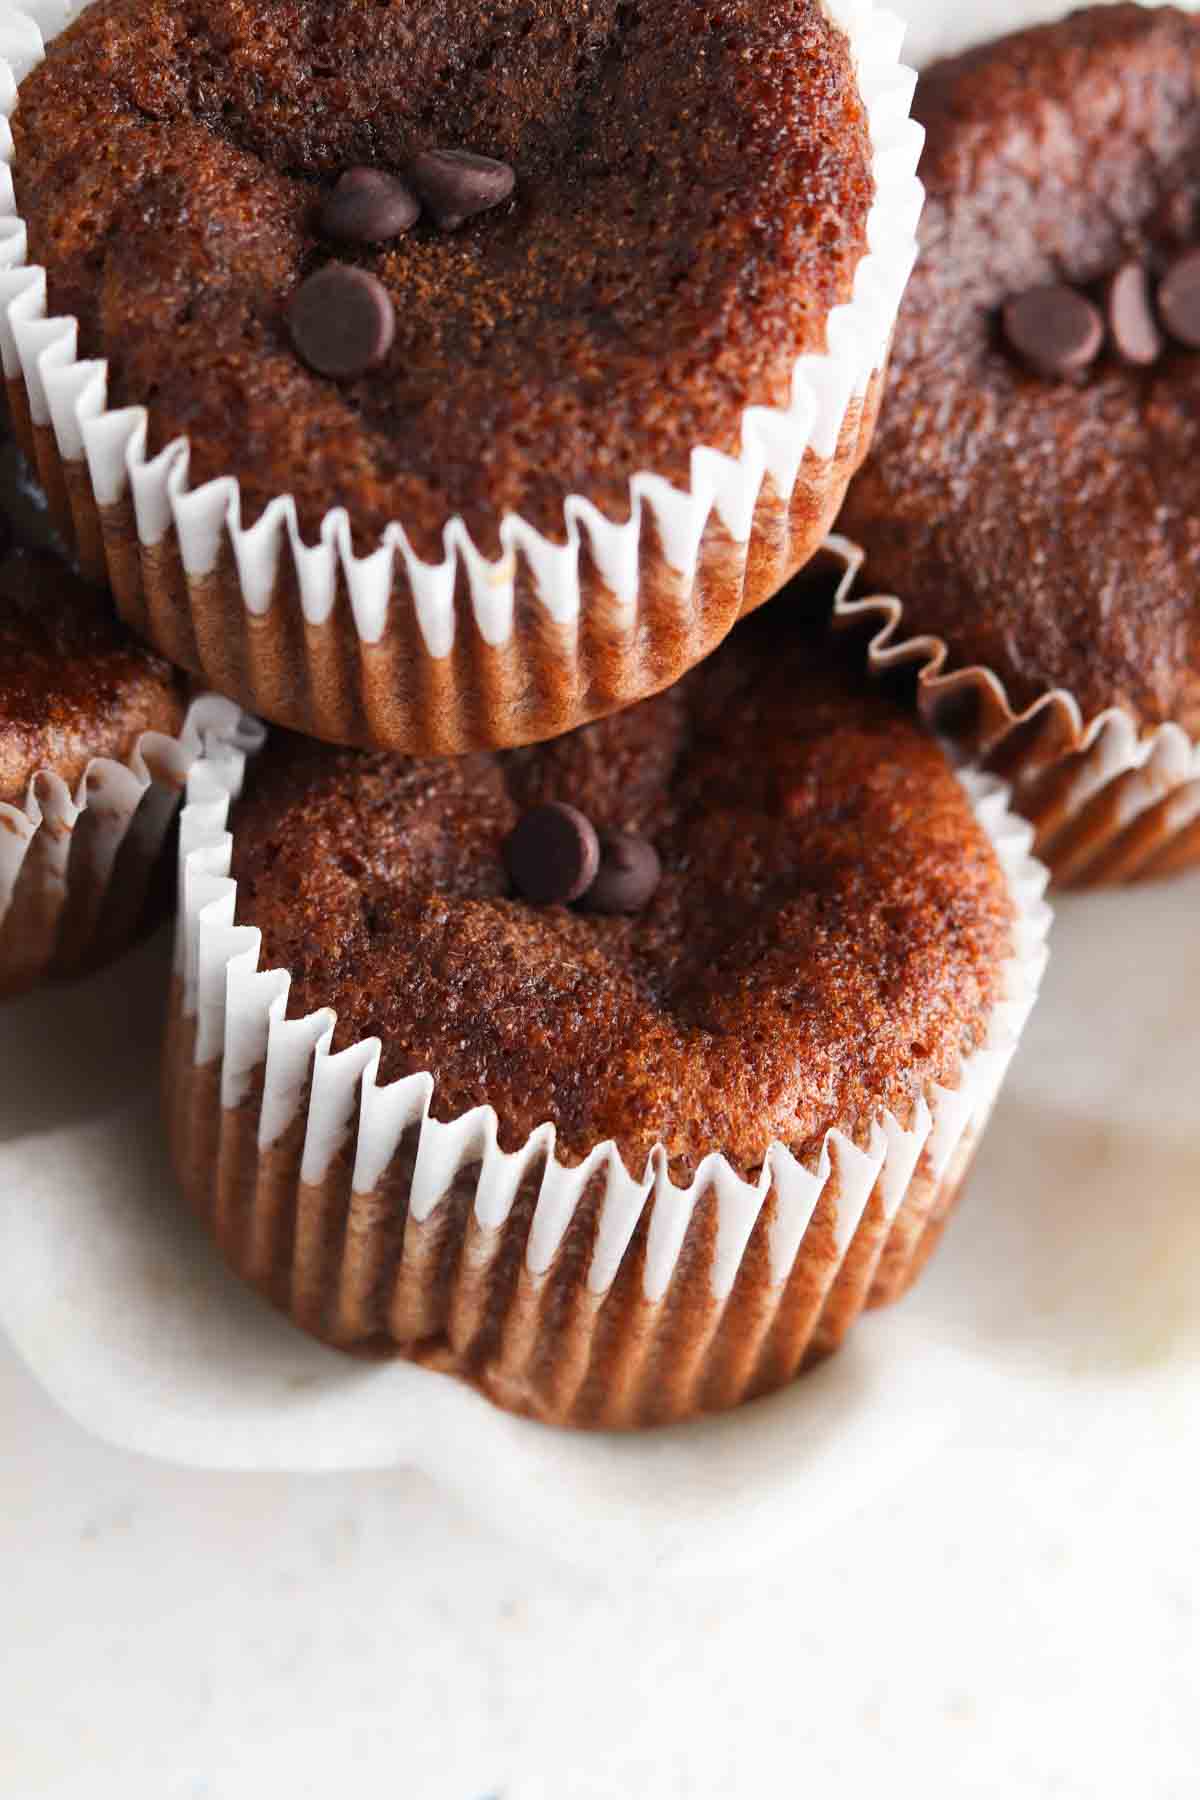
(692,191)
(827,937)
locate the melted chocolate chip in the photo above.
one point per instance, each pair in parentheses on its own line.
(553,855)
(368,206)
(1175,217)
(455,185)
(342,321)
(1179,300)
(1132,326)
(1054,330)
(628,877)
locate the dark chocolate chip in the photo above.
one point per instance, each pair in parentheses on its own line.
(629,874)
(342,321)
(1054,330)
(1132,325)
(553,854)
(1175,217)
(368,206)
(454,185)
(1179,299)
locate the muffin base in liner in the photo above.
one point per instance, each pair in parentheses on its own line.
(1109,801)
(388,650)
(579,1295)
(77,869)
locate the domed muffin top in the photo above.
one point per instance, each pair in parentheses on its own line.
(692,185)
(1046,523)
(822,932)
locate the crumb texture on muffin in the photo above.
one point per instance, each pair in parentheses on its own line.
(827,937)
(1048,530)
(73,683)
(693,185)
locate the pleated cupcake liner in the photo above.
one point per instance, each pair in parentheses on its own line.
(584,1295)
(1109,800)
(77,868)
(388,650)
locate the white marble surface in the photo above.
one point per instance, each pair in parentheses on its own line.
(1019,1621)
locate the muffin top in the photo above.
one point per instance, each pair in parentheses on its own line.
(692,185)
(73,684)
(826,936)
(1048,528)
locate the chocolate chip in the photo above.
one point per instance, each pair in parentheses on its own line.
(1179,299)
(342,321)
(454,185)
(629,874)
(1131,322)
(368,206)
(553,855)
(1175,217)
(1054,330)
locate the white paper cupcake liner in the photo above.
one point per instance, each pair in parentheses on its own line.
(389,650)
(76,867)
(1109,801)
(587,1295)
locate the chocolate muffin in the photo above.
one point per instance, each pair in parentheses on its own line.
(765,912)
(1031,500)
(73,684)
(90,773)
(491,266)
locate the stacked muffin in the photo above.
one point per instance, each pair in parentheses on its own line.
(590,990)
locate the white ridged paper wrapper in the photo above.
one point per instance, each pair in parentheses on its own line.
(76,864)
(1109,800)
(389,650)
(584,1294)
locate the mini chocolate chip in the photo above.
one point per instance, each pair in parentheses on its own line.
(553,854)
(368,206)
(1179,299)
(454,185)
(1131,322)
(629,874)
(342,321)
(1055,330)
(1175,217)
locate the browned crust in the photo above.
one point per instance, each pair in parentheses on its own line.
(829,935)
(692,199)
(1047,530)
(74,686)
